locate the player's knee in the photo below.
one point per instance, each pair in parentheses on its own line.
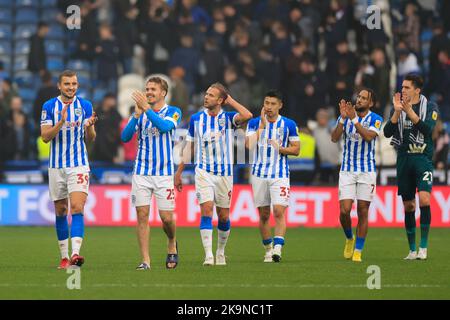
(76,207)
(424,199)
(61,210)
(264,217)
(409,206)
(167,218)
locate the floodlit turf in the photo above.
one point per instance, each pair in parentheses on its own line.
(312,267)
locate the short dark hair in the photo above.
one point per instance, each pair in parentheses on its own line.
(273,93)
(42,24)
(416,80)
(372,95)
(162,83)
(66,73)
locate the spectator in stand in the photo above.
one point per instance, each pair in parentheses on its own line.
(129,149)
(341,86)
(179,93)
(17,121)
(88,34)
(47,91)
(441,142)
(37,57)
(443,84)
(439,42)
(381,80)
(7,92)
(407,63)
(107,141)
(237,85)
(327,160)
(212,62)
(410,29)
(187,57)
(107,53)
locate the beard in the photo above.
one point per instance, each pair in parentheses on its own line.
(360,109)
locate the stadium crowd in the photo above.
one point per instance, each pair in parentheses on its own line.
(314,52)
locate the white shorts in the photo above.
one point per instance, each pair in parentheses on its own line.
(64,181)
(268,192)
(357,185)
(209,187)
(143,187)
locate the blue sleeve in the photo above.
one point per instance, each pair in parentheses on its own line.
(252,126)
(231,115)
(293,134)
(174,115)
(190,135)
(87,106)
(129,130)
(47,114)
(161,124)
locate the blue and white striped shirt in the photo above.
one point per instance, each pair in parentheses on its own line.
(358,154)
(213,138)
(268,162)
(155,149)
(67,148)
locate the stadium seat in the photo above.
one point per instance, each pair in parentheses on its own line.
(55,64)
(5,47)
(24,31)
(22,47)
(26,16)
(32,4)
(5,31)
(27,94)
(98,95)
(125,101)
(49,15)
(54,47)
(6,4)
(24,79)
(131,80)
(56,32)
(5,15)
(48,3)
(79,65)
(20,63)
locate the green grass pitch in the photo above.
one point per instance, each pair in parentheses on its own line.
(312,267)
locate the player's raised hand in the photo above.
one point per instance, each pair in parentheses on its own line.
(92,120)
(263,122)
(350,110)
(406,105)
(64,112)
(397,102)
(141,100)
(178,183)
(342,109)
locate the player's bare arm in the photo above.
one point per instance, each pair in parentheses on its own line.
(339,129)
(186,157)
(293,148)
(243,114)
(366,134)
(90,128)
(49,132)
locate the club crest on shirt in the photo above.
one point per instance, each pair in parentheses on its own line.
(78,112)
(44,115)
(365,125)
(221,122)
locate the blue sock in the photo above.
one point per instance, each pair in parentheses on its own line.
(348,233)
(359,243)
(224,226)
(267,241)
(278,240)
(206,223)
(62,228)
(77,228)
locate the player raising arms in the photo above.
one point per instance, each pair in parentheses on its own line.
(65,120)
(357,178)
(153,172)
(211,132)
(276,137)
(410,126)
